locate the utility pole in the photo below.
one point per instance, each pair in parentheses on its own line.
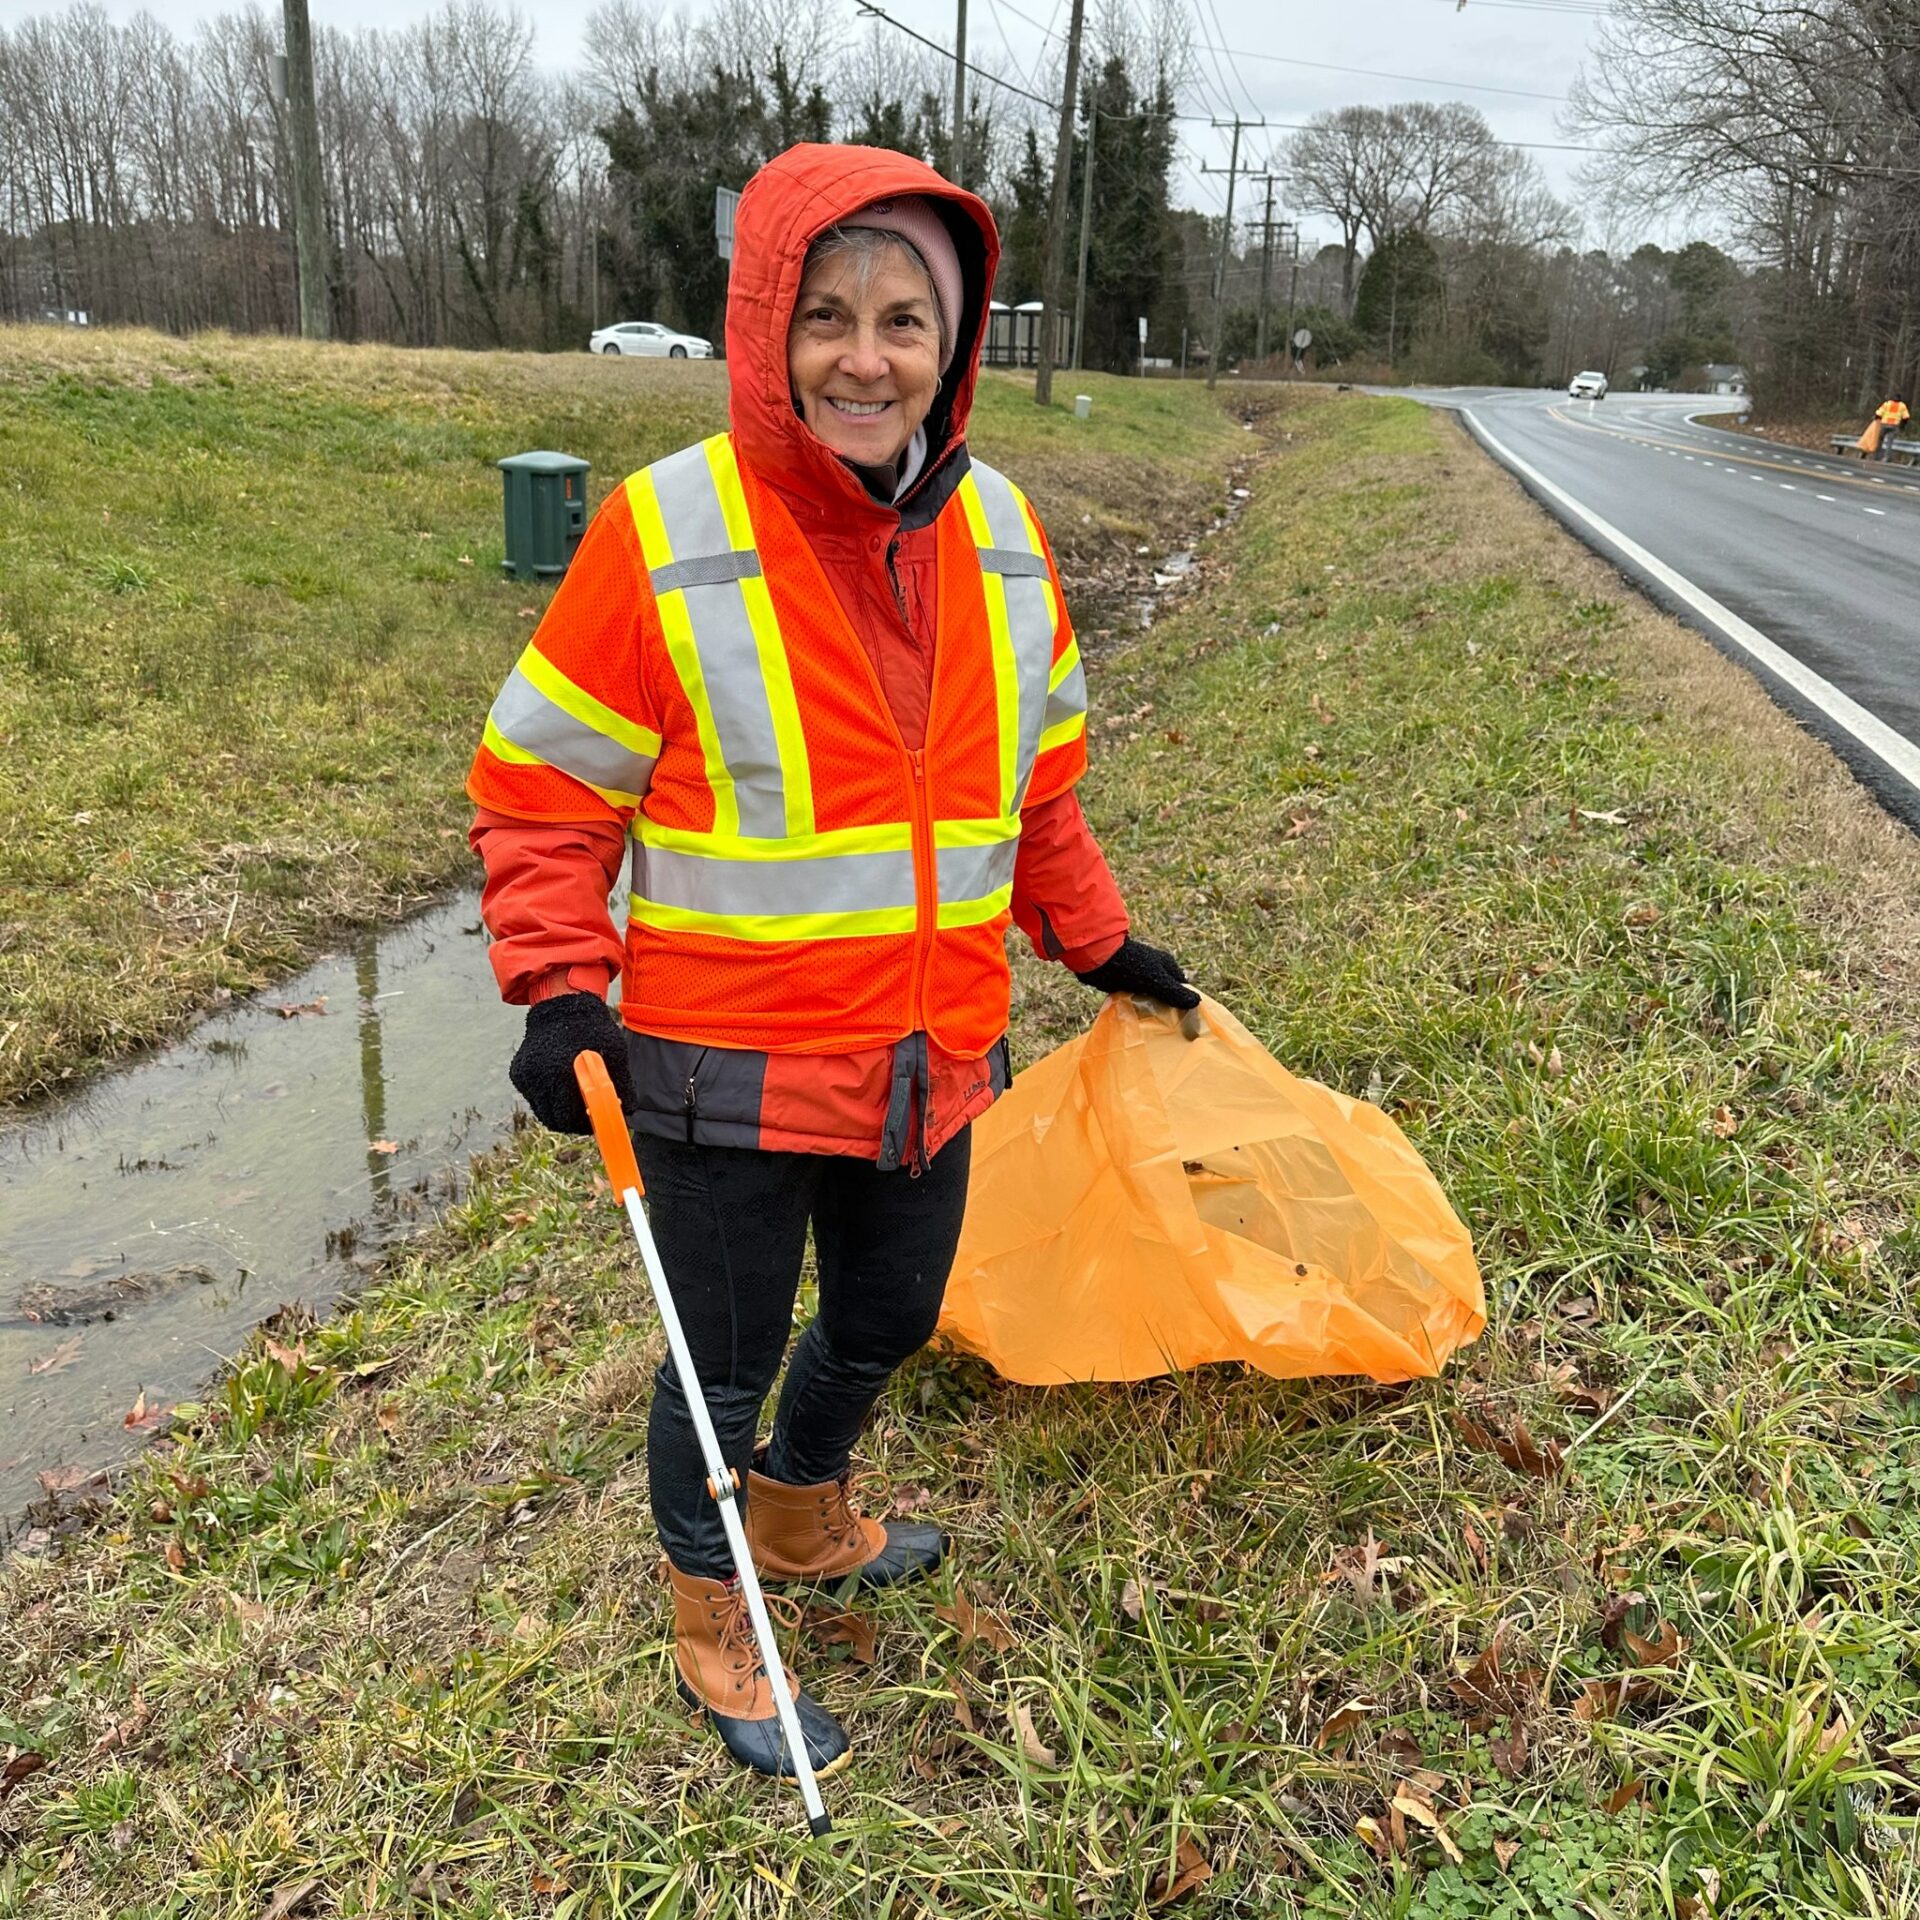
(1086,224)
(957,173)
(1293,292)
(309,207)
(1057,211)
(1226,244)
(1267,225)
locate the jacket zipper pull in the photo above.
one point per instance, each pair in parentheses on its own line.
(690,1103)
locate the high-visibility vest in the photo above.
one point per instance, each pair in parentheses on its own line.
(1892,413)
(802,882)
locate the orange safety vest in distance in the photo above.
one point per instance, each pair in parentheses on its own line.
(1892,413)
(801,881)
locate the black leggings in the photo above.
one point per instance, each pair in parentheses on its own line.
(731,1223)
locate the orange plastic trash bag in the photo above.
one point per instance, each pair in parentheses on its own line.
(1142,1203)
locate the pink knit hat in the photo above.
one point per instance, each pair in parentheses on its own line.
(916,220)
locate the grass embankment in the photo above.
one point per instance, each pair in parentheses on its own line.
(251,614)
(1626,1605)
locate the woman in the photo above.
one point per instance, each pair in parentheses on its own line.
(817,674)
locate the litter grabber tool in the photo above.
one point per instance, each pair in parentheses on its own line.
(623,1171)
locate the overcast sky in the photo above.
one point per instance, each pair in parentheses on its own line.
(1514,59)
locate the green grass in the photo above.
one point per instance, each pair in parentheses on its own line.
(1440,812)
(251,615)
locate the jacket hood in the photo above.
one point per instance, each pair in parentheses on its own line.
(793,199)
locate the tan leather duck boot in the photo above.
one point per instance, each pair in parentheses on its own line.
(721,1671)
(813,1534)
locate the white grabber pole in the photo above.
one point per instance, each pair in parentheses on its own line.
(623,1170)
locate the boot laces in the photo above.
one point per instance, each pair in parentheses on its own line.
(733,1631)
(837,1514)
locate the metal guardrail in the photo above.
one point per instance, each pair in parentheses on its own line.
(1895,449)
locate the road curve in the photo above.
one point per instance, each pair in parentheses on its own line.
(1804,567)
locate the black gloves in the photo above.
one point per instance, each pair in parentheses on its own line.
(558,1031)
(1139,968)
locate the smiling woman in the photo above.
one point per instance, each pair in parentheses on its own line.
(734,692)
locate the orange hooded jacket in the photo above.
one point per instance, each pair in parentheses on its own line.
(548,872)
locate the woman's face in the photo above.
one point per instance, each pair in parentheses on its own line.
(863,353)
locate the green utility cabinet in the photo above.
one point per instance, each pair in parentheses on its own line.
(546,513)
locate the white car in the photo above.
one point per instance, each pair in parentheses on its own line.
(1588,386)
(648,337)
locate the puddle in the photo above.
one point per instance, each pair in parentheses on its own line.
(152,1220)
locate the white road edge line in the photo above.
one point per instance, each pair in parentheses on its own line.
(1868,729)
(1880,512)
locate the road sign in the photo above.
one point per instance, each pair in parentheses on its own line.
(724,202)
(1143,330)
(1303,339)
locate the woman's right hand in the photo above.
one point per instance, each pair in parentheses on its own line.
(558,1032)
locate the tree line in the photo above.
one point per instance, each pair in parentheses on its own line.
(473,200)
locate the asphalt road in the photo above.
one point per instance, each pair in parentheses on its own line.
(1804,567)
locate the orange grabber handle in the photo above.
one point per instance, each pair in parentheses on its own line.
(609,1123)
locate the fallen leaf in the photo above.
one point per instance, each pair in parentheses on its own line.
(286,1899)
(963,1708)
(71,1479)
(1643,915)
(1475,1545)
(976,1623)
(1574,1393)
(853,1631)
(1370,1830)
(1031,1744)
(1601,1699)
(1133,1602)
(547,1882)
(21,1767)
(383,1146)
(143,1418)
(1342,1721)
(1412,1801)
(59,1360)
(1724,1124)
(1191,1869)
(1492,1685)
(1663,1650)
(1364,1568)
(1613,1618)
(123,1732)
(1510,1753)
(292,1358)
(1624,1795)
(302,1009)
(1506,1852)
(176,1556)
(1519,1451)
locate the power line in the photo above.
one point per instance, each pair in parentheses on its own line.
(868,10)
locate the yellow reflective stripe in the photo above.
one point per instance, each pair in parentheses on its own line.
(976,833)
(733,496)
(677,630)
(974,913)
(790,739)
(502,748)
(1069,729)
(810,846)
(975,509)
(775,926)
(656,550)
(582,705)
(1064,666)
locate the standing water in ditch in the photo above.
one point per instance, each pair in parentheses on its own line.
(153,1219)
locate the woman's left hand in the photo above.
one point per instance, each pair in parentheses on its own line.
(1147,971)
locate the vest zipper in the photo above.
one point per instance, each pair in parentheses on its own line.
(927,905)
(689,1098)
(893,580)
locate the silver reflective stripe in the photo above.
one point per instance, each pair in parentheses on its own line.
(971,873)
(533,723)
(690,504)
(841,883)
(1029,616)
(1068,698)
(1005,560)
(706,570)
